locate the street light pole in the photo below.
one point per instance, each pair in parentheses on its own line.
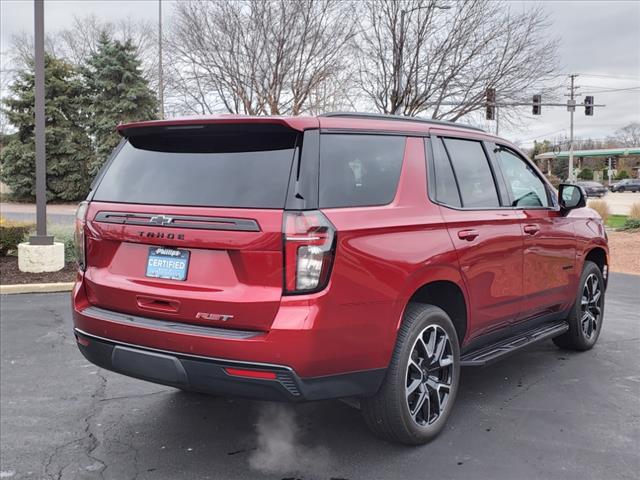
(41,237)
(571,105)
(160,73)
(403,12)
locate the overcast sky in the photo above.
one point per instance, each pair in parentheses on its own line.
(600,40)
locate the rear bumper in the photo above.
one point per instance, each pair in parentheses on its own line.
(209,375)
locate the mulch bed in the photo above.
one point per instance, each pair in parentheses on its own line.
(11,275)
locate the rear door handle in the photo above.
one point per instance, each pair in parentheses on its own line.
(468,235)
(531,229)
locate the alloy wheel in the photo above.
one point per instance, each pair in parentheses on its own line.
(591,306)
(429,375)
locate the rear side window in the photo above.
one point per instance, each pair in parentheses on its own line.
(243,170)
(359,170)
(472,170)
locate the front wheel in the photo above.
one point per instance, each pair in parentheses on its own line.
(420,387)
(585,319)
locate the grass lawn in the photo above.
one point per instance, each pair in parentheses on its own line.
(616,221)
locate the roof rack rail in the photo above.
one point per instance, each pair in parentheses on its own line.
(382,116)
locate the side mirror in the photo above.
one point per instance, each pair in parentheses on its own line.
(571,196)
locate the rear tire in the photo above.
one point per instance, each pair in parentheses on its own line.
(421,383)
(585,319)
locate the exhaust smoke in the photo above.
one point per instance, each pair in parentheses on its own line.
(279,448)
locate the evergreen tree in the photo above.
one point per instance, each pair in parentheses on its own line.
(117,93)
(68,147)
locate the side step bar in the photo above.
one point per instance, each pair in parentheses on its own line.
(496,351)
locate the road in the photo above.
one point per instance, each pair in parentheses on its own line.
(541,414)
(61,214)
(620,202)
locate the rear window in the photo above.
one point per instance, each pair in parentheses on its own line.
(359,170)
(234,169)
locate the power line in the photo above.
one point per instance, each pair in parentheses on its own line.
(623,77)
(612,90)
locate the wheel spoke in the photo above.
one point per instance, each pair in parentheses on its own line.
(423,346)
(432,343)
(414,364)
(413,386)
(446,361)
(420,403)
(440,349)
(596,297)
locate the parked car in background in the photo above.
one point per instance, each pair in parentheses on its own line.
(626,185)
(344,255)
(593,189)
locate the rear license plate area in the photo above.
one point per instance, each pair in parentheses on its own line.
(167,263)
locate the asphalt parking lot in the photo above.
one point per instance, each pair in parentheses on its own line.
(541,414)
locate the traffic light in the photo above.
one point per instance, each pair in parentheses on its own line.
(491,100)
(588,105)
(614,162)
(537,104)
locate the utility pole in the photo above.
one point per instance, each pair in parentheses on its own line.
(400,90)
(41,237)
(160,79)
(40,253)
(571,106)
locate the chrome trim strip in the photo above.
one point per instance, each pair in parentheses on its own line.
(178,221)
(168,325)
(181,354)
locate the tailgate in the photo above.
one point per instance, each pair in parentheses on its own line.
(234,273)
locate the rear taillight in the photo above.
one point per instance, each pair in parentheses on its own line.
(81,215)
(309,246)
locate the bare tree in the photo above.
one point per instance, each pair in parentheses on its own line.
(267,57)
(628,136)
(434,58)
(76,43)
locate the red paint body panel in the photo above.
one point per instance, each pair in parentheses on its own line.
(383,255)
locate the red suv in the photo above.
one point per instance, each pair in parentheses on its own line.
(345,255)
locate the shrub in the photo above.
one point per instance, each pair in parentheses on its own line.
(602,208)
(11,234)
(634,212)
(631,224)
(586,174)
(622,174)
(64,234)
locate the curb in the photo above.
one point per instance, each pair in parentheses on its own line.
(36,288)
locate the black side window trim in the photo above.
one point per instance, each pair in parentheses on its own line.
(550,199)
(302,191)
(432,182)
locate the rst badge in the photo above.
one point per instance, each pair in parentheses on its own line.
(214,317)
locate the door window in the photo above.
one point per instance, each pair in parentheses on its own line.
(527,189)
(472,170)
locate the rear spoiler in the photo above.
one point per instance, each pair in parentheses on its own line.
(221,122)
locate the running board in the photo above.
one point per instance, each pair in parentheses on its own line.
(496,351)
